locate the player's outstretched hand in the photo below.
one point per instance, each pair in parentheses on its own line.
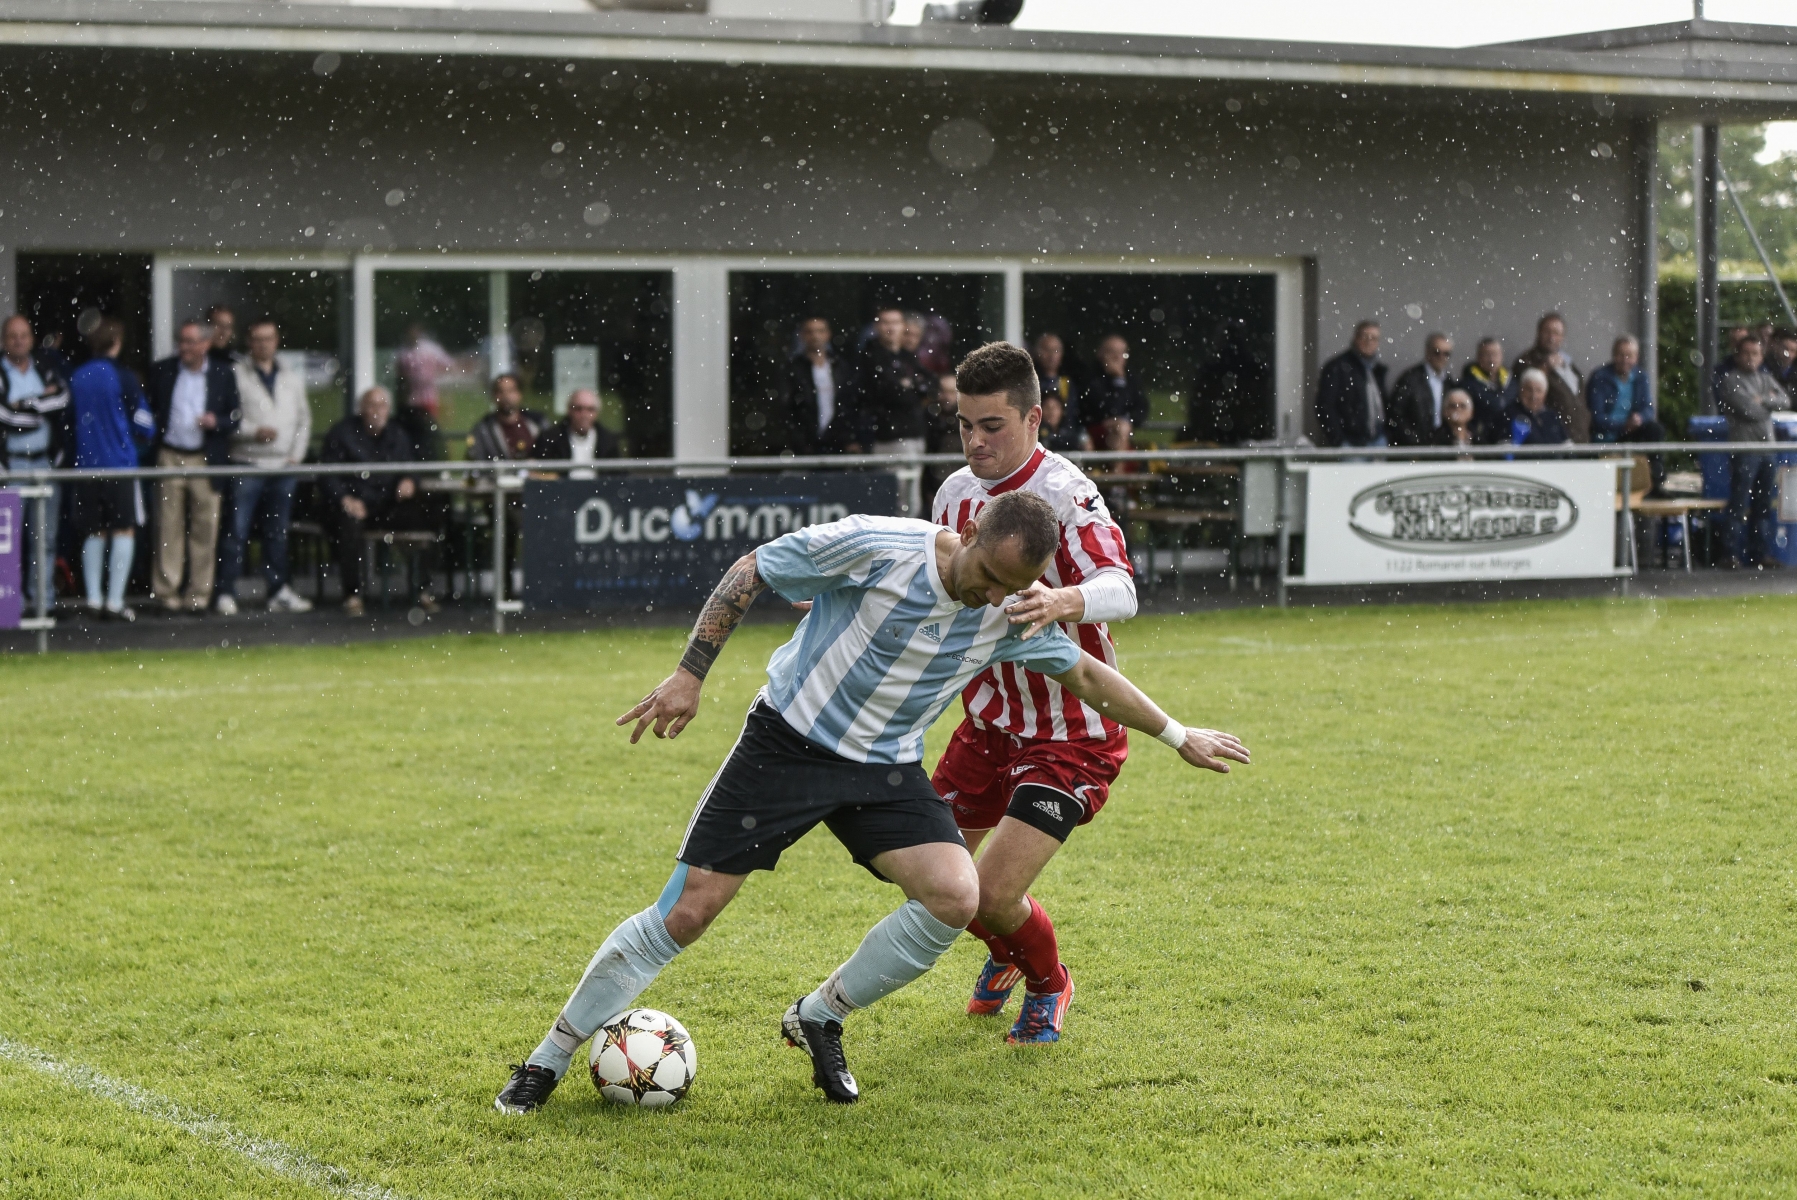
(1208,748)
(1040,606)
(671,707)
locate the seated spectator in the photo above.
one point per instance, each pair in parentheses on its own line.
(509,433)
(1565,382)
(1781,357)
(1413,414)
(355,503)
(1351,390)
(1114,405)
(110,419)
(1457,421)
(1622,403)
(579,437)
(1059,432)
(1487,381)
(275,433)
(818,387)
(1532,422)
(1050,354)
(1748,396)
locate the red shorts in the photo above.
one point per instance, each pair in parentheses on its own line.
(981,767)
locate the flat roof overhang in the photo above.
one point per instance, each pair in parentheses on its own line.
(1713,86)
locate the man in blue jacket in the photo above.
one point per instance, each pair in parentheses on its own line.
(194,399)
(108,417)
(1622,403)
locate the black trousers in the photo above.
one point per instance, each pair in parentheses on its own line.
(1647,432)
(350,547)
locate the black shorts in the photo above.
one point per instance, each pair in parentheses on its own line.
(775,786)
(104,505)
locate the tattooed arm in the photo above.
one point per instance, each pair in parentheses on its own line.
(675,701)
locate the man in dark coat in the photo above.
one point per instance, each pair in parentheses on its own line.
(1487,381)
(1532,422)
(194,400)
(818,394)
(577,438)
(1351,393)
(1414,412)
(1565,382)
(354,503)
(509,433)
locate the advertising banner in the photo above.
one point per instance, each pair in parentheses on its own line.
(12,556)
(635,541)
(1427,522)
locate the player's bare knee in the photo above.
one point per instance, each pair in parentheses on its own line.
(687,924)
(997,902)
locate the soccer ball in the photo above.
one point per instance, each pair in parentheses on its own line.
(643,1057)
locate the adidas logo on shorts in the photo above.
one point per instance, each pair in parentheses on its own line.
(1051,807)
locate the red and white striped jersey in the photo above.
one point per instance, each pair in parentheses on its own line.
(1018,701)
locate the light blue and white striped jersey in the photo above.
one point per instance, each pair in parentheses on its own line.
(885,648)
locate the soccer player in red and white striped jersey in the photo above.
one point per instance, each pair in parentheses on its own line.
(1030,762)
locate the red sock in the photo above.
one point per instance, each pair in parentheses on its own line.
(1034,952)
(1001,953)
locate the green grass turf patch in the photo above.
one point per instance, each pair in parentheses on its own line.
(1504,906)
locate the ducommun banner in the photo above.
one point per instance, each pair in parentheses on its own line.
(634,541)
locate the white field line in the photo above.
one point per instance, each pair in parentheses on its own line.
(266,1153)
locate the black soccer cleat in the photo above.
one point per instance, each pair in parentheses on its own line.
(527,1090)
(823,1042)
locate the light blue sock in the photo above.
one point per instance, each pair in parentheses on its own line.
(627,963)
(93,557)
(124,545)
(894,952)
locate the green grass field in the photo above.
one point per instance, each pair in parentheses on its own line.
(1504,906)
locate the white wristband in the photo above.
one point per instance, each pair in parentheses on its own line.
(1174,734)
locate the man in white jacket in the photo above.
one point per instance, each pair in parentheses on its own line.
(276,429)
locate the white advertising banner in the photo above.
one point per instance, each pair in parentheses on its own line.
(1426,522)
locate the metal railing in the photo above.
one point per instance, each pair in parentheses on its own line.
(34,486)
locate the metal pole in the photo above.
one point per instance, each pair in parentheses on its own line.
(1754,237)
(1285,530)
(1706,167)
(42,501)
(498,553)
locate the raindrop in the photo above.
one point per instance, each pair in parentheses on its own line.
(1567,255)
(156,152)
(1053,129)
(396,197)
(1414,311)
(1604,150)
(139,104)
(1048,214)
(1290,162)
(87,322)
(748,822)
(327,62)
(907,211)
(310,230)
(1464,188)
(1489,303)
(557,147)
(596,213)
(569,68)
(962,145)
(1157,315)
(1233,105)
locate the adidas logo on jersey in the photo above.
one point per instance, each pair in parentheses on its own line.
(933,631)
(1051,807)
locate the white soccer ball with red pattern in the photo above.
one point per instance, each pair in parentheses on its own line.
(643,1057)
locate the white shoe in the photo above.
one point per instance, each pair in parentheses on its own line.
(288,600)
(225,605)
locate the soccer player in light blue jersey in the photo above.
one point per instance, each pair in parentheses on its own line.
(903,614)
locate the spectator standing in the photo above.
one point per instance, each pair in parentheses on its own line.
(359,502)
(1351,392)
(1622,403)
(1727,362)
(578,437)
(1748,396)
(1565,383)
(1414,413)
(1114,405)
(1781,357)
(108,418)
(274,434)
(509,433)
(419,365)
(1458,422)
(1050,355)
(224,333)
(893,390)
(194,399)
(1487,382)
(34,413)
(1532,422)
(819,394)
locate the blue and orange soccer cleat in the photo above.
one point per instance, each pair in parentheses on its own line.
(993,988)
(1042,1016)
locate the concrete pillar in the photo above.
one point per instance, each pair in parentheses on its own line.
(9,281)
(1647,179)
(701,360)
(499,324)
(1704,181)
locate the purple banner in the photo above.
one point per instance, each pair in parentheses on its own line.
(12,545)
